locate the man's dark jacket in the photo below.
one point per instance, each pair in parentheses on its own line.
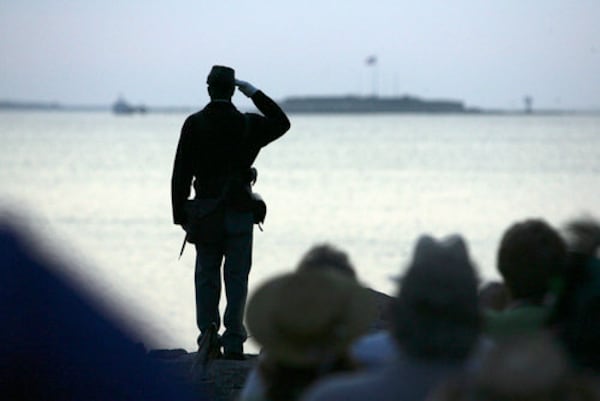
(218,143)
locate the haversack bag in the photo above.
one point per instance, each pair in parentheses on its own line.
(205,220)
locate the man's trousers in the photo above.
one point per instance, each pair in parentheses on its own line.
(235,248)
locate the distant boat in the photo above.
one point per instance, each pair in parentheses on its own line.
(121,106)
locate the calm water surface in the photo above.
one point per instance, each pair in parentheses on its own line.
(97,188)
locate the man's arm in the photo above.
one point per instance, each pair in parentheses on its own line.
(181,178)
(274,122)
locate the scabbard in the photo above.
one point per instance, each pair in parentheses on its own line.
(183,246)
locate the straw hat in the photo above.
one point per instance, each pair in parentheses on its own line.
(303,318)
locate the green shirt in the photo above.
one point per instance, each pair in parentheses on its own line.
(520,320)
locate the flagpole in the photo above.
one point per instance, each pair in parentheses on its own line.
(372,63)
(375,88)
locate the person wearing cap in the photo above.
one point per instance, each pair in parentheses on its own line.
(215,153)
(436,325)
(575,317)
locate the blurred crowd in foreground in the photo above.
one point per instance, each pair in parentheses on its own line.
(533,335)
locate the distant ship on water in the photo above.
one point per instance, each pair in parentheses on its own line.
(121,106)
(371,104)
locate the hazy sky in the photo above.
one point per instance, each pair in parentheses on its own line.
(489,53)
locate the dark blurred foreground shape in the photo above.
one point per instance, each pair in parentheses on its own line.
(55,344)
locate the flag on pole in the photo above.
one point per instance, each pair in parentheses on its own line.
(371,60)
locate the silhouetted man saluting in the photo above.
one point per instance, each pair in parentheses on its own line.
(216,149)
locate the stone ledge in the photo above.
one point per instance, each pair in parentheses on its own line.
(221,378)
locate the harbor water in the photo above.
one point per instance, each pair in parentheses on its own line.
(95,188)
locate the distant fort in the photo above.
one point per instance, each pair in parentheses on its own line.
(296,104)
(371,104)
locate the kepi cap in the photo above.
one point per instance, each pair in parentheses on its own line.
(221,76)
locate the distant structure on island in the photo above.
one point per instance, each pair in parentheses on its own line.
(121,106)
(372,104)
(528,100)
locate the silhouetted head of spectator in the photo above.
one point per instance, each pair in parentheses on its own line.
(494,296)
(326,256)
(583,236)
(304,318)
(305,321)
(221,82)
(576,315)
(436,313)
(530,256)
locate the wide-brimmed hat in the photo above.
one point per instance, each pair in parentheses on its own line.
(441,274)
(303,318)
(221,75)
(436,313)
